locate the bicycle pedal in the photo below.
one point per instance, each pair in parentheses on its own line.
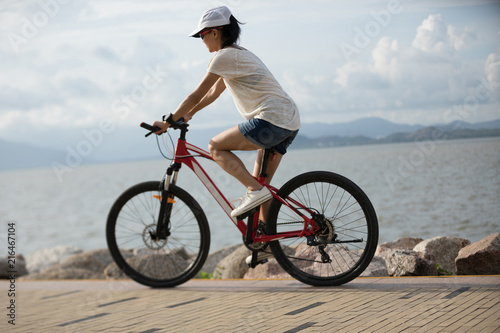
(253,260)
(258,263)
(246,214)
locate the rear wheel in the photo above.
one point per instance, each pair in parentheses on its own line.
(157,262)
(347,241)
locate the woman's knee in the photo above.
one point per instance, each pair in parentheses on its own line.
(214,147)
(211,147)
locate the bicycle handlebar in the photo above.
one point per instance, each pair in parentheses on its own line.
(179,124)
(150,128)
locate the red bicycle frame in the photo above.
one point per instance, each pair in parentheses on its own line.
(183,156)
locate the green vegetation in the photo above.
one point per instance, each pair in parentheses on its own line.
(442,271)
(205,275)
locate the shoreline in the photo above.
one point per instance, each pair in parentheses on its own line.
(403,257)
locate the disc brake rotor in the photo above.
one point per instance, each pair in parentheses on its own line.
(149,241)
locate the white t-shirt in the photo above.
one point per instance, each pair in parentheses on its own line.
(255,91)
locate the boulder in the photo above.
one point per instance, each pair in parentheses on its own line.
(341,256)
(214,258)
(480,258)
(408,263)
(43,259)
(160,265)
(377,267)
(17,265)
(84,265)
(405,243)
(234,265)
(269,270)
(113,272)
(98,264)
(443,250)
(151,263)
(93,260)
(56,272)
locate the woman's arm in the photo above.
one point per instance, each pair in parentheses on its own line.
(210,83)
(208,99)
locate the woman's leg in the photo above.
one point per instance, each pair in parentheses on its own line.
(272,166)
(221,147)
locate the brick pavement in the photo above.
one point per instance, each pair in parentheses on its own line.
(440,304)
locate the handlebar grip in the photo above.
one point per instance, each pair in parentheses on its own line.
(150,128)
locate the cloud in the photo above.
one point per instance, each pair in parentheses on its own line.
(427,75)
(89,55)
(492,73)
(432,37)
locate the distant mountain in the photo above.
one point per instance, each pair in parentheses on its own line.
(436,133)
(424,134)
(369,127)
(126,144)
(20,156)
(462,125)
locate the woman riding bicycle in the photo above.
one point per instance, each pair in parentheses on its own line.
(272,117)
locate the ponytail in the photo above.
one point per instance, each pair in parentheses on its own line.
(231,32)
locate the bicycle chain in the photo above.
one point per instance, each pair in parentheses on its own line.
(298,222)
(305,259)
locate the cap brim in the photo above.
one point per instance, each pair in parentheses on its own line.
(196,33)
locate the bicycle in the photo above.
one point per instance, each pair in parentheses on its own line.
(321,227)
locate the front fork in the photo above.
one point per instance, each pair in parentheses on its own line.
(167,200)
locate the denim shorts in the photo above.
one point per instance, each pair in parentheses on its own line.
(267,135)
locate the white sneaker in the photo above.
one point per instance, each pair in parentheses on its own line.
(260,256)
(251,200)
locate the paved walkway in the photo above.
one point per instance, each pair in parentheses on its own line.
(440,304)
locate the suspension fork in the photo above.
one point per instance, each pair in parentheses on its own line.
(167,200)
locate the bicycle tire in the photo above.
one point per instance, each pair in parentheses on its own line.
(350,216)
(163,263)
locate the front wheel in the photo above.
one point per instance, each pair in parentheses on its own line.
(346,242)
(148,260)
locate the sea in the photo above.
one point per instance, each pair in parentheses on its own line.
(419,189)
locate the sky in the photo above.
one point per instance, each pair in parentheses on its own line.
(70,65)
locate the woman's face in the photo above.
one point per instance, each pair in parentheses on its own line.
(212,40)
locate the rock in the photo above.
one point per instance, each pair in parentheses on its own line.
(98,264)
(57,272)
(443,250)
(341,256)
(234,265)
(43,259)
(17,265)
(150,263)
(171,264)
(405,243)
(113,272)
(377,267)
(480,258)
(84,265)
(269,270)
(93,260)
(408,263)
(214,258)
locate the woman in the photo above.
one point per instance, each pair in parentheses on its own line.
(272,118)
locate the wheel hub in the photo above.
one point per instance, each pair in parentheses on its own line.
(151,242)
(326,233)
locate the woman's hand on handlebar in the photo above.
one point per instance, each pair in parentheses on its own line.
(163,125)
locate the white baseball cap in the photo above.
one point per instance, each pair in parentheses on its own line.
(212,18)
